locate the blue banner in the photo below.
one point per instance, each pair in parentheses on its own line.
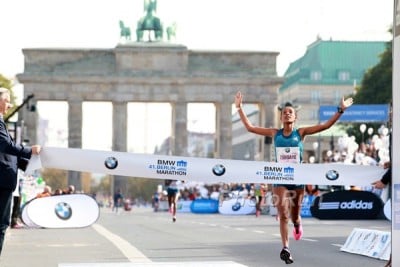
(357,113)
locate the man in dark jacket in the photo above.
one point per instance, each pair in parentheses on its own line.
(9,154)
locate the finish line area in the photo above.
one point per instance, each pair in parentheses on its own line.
(156,264)
(195,169)
(142,237)
(203,169)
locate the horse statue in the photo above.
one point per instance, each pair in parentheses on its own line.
(149,22)
(171,31)
(125,31)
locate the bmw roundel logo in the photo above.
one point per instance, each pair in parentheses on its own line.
(236,206)
(332,175)
(218,169)
(111,163)
(63,211)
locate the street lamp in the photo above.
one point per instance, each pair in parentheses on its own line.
(363,127)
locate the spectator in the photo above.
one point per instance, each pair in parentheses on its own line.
(46,192)
(118,197)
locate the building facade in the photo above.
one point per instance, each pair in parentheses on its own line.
(326,72)
(149,72)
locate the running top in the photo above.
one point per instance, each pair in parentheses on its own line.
(172,184)
(288,149)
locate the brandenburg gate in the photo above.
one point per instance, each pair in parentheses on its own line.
(150,72)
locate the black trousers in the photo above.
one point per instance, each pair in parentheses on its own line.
(5,210)
(15,210)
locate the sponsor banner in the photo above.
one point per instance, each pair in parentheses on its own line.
(61,211)
(204,206)
(183,206)
(357,113)
(305,211)
(349,205)
(371,243)
(238,206)
(387,210)
(163,205)
(204,169)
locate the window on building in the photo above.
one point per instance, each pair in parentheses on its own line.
(315,96)
(343,75)
(338,96)
(316,75)
(315,114)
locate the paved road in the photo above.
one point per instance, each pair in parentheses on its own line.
(145,238)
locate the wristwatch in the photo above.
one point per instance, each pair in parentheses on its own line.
(340,110)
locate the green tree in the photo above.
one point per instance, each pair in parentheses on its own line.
(104,187)
(4,82)
(140,188)
(375,88)
(136,188)
(376,85)
(55,178)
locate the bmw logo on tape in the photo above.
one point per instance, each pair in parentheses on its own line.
(332,175)
(218,170)
(63,211)
(111,163)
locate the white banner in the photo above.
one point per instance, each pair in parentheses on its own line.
(205,169)
(371,243)
(61,211)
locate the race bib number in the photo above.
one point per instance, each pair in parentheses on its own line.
(287,154)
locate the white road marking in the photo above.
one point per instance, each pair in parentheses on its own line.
(132,253)
(155,264)
(309,239)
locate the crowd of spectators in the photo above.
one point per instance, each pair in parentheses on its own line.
(372,151)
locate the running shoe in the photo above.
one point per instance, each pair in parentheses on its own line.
(174,219)
(286,256)
(297,231)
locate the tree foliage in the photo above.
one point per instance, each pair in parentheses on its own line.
(55,178)
(140,188)
(376,85)
(4,82)
(376,88)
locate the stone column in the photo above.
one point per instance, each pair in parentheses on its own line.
(119,138)
(75,137)
(179,129)
(269,114)
(224,130)
(30,119)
